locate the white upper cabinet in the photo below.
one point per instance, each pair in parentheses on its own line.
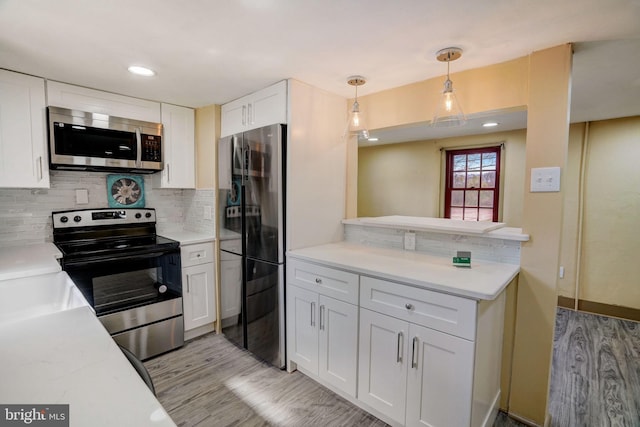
(96,101)
(179,148)
(262,108)
(23,138)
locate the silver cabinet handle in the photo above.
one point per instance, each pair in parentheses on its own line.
(244,114)
(188,290)
(39,170)
(168,173)
(408,306)
(318,281)
(313,316)
(322,317)
(250,118)
(400,345)
(414,353)
(138,148)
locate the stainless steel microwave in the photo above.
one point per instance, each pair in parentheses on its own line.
(80,140)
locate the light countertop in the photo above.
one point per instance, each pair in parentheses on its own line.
(30,260)
(186,237)
(69,358)
(496,230)
(485,280)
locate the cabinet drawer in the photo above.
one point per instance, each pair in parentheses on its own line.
(338,284)
(196,254)
(443,312)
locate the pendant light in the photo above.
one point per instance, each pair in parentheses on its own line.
(448,111)
(356,124)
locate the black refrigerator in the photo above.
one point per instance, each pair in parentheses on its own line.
(251,209)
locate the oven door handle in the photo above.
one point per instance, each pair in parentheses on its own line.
(101,260)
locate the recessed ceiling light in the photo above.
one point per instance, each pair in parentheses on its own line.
(141,71)
(490,124)
(372,139)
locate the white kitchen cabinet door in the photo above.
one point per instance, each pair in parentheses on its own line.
(96,101)
(440,379)
(230,285)
(198,295)
(383,360)
(178,148)
(302,328)
(23,138)
(265,107)
(338,345)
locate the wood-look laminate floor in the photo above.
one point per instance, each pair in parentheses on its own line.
(595,373)
(210,382)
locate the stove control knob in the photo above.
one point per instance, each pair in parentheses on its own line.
(77,218)
(64,219)
(138,215)
(147,215)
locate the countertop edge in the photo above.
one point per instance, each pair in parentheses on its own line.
(465,293)
(504,233)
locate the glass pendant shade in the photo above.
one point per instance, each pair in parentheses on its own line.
(356,124)
(448,111)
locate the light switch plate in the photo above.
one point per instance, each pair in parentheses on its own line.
(545,180)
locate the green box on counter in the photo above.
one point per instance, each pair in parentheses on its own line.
(463,259)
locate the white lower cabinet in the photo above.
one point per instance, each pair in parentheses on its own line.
(322,325)
(415,375)
(198,289)
(323,337)
(422,358)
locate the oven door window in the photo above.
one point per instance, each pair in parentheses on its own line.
(117,284)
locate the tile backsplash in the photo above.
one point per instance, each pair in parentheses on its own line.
(25,214)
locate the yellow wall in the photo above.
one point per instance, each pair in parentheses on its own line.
(406,178)
(541,83)
(610,266)
(547,142)
(207,135)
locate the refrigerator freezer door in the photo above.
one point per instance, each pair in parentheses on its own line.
(265,315)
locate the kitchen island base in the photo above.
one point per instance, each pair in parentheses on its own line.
(422,357)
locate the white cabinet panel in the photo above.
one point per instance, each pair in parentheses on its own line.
(338,356)
(96,101)
(198,285)
(23,141)
(230,282)
(440,379)
(447,313)
(198,295)
(262,108)
(382,369)
(179,148)
(302,328)
(338,284)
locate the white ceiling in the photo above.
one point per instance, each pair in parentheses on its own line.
(213,51)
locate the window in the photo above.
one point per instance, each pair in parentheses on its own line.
(472,184)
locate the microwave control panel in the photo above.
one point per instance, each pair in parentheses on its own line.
(151,148)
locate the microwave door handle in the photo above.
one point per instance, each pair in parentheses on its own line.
(139,148)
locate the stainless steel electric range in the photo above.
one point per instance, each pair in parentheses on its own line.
(129,275)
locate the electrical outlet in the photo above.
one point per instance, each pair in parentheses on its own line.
(207,212)
(410,241)
(82,196)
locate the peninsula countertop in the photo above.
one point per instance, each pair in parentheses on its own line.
(29,260)
(484,280)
